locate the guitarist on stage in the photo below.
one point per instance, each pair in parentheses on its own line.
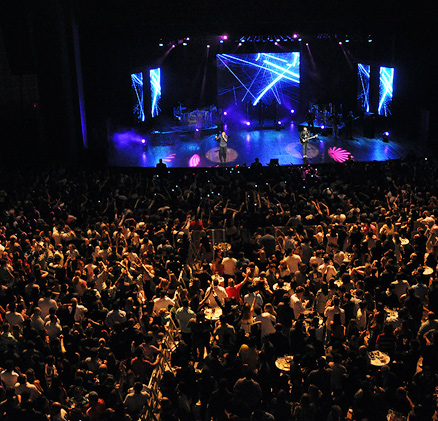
(304,139)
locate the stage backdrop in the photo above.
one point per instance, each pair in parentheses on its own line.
(249,80)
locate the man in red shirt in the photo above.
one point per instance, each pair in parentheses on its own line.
(233,290)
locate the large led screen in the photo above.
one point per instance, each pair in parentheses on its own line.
(386,90)
(137,89)
(363,91)
(155,79)
(252,78)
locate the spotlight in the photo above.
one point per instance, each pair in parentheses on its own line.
(275,43)
(224,37)
(322,127)
(208,45)
(240,44)
(225,113)
(292,111)
(221,41)
(160,44)
(385,137)
(143,141)
(295,36)
(300,39)
(248,123)
(347,40)
(340,42)
(184,43)
(307,44)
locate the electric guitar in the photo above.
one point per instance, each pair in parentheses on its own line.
(307,139)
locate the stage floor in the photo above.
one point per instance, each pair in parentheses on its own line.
(190,148)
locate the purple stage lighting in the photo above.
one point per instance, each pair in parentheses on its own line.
(340,42)
(225,113)
(225,37)
(143,141)
(386,134)
(248,123)
(292,111)
(339,154)
(208,45)
(295,36)
(194,161)
(322,127)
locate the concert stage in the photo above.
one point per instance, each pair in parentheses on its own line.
(247,141)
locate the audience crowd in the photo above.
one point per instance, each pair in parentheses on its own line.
(299,293)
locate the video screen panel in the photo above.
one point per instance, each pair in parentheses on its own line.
(251,78)
(386,90)
(137,89)
(155,81)
(363,89)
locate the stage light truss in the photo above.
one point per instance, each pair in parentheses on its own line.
(386,89)
(363,72)
(260,76)
(155,78)
(137,86)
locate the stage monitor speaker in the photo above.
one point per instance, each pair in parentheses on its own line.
(273,162)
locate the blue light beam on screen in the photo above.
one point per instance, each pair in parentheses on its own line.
(155,78)
(363,96)
(261,76)
(386,90)
(137,87)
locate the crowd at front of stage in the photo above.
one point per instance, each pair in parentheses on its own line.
(305,293)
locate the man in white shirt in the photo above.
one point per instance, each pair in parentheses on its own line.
(9,376)
(327,269)
(229,263)
(218,291)
(163,301)
(296,302)
(249,298)
(136,400)
(267,321)
(183,315)
(330,312)
(115,315)
(24,386)
(46,303)
(292,261)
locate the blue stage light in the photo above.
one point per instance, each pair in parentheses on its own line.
(155,79)
(363,73)
(386,89)
(137,86)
